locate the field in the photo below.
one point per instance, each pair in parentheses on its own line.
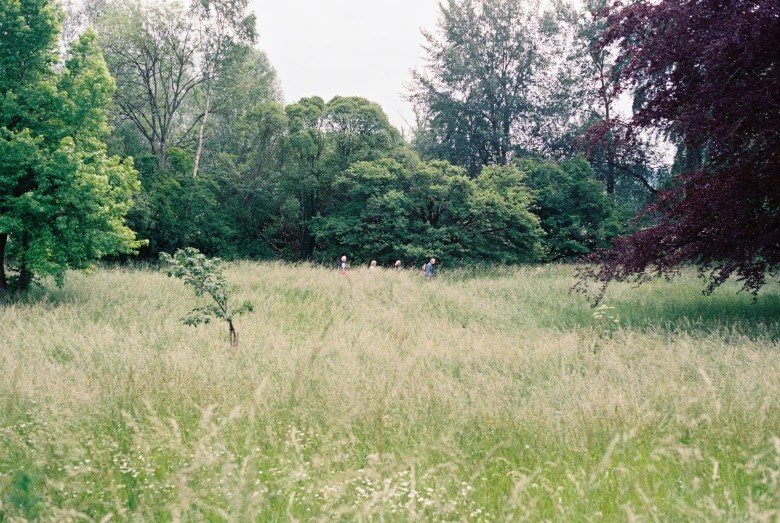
(383,397)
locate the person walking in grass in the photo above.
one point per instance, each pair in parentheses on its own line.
(428,268)
(372,267)
(343,265)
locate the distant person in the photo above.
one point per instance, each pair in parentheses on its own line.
(428,268)
(343,265)
(398,265)
(372,267)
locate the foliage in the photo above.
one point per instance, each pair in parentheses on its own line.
(324,139)
(168,60)
(474,93)
(575,213)
(206,277)
(359,129)
(62,199)
(227,31)
(705,72)
(629,164)
(505,80)
(226,210)
(150,51)
(385,211)
(175,210)
(27,43)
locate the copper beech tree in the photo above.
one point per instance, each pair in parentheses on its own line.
(707,73)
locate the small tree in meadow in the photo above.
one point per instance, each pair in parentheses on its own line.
(205,276)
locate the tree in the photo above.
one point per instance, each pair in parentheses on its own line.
(62,199)
(474,97)
(707,73)
(226,210)
(306,150)
(575,213)
(162,56)
(384,210)
(175,210)
(359,129)
(206,278)
(248,81)
(584,117)
(152,53)
(324,140)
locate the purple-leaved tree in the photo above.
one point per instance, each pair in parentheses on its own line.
(707,73)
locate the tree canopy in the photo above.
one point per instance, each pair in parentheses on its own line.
(385,211)
(62,198)
(474,95)
(506,165)
(575,212)
(706,73)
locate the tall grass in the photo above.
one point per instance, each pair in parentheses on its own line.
(383,397)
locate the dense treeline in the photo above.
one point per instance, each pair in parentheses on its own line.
(507,163)
(316,179)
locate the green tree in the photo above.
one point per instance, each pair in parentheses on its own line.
(306,174)
(175,210)
(627,163)
(255,197)
(168,60)
(151,52)
(574,210)
(247,82)
(62,199)
(359,130)
(206,277)
(474,97)
(384,211)
(226,30)
(324,140)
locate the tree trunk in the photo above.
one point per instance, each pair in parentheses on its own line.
(610,177)
(163,155)
(25,278)
(609,145)
(3,282)
(200,132)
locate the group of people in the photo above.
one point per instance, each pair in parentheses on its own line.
(427,268)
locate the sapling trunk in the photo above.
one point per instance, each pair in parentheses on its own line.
(3,283)
(233,335)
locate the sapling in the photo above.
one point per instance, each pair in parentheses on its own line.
(205,276)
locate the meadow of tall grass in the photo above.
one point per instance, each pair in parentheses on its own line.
(382,397)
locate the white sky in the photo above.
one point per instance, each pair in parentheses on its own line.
(346,47)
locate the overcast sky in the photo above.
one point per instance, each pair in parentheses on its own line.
(346,47)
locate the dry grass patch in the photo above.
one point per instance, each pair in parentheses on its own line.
(388,398)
